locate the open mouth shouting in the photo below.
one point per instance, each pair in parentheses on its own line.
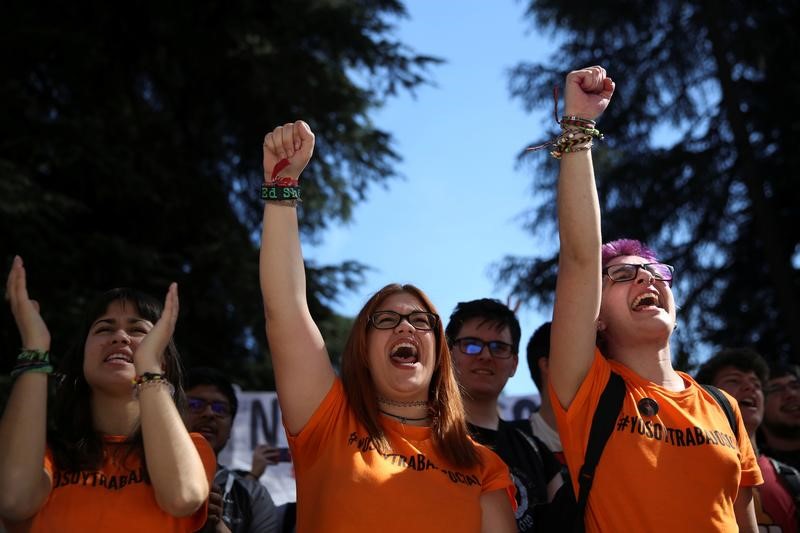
(649,300)
(119,358)
(404,353)
(748,402)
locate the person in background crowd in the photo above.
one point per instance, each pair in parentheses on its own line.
(483,336)
(386,446)
(742,373)
(119,457)
(780,432)
(543,421)
(239,503)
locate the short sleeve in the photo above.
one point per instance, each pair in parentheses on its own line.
(496,475)
(320,427)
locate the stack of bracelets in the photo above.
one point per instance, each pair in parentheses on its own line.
(32,361)
(151,379)
(282,190)
(577,135)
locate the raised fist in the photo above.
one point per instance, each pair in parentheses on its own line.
(293,142)
(587,92)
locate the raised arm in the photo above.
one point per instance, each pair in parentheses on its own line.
(173,462)
(24,484)
(303,372)
(587,93)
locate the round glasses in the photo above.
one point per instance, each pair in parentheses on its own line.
(421,320)
(629,271)
(198,405)
(473,346)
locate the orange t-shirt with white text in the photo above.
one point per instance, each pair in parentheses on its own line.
(679,469)
(345,485)
(115,498)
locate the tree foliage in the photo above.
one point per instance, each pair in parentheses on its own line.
(130,151)
(699,159)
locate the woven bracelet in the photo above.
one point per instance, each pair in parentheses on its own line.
(577,121)
(33,355)
(40,368)
(280,194)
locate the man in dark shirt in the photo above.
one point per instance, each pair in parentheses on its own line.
(483,336)
(238,502)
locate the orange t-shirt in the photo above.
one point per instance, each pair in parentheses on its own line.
(115,498)
(677,470)
(344,484)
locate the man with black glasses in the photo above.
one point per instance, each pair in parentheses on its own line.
(238,502)
(483,336)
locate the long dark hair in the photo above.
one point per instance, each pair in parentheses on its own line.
(76,445)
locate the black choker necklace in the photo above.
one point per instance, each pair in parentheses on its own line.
(396,403)
(403,419)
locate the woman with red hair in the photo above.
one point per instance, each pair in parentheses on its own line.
(386,445)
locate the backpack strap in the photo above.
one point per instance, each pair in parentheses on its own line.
(723,402)
(605,416)
(790,477)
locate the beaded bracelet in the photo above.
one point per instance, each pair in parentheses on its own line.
(150,384)
(573,140)
(150,379)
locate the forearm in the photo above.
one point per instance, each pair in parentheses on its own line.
(173,462)
(23,482)
(745,510)
(579,213)
(281,268)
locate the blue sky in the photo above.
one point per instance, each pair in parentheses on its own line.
(455,211)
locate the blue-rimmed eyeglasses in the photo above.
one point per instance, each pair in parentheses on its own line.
(629,271)
(421,320)
(473,346)
(198,405)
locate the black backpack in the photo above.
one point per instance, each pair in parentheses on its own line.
(556,515)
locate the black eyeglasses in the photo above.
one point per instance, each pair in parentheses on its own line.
(473,346)
(421,320)
(629,271)
(198,405)
(778,388)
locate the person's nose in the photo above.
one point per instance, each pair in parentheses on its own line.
(485,353)
(404,325)
(121,337)
(644,276)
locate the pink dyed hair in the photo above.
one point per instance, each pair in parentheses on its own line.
(619,247)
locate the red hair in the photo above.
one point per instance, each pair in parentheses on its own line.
(450,434)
